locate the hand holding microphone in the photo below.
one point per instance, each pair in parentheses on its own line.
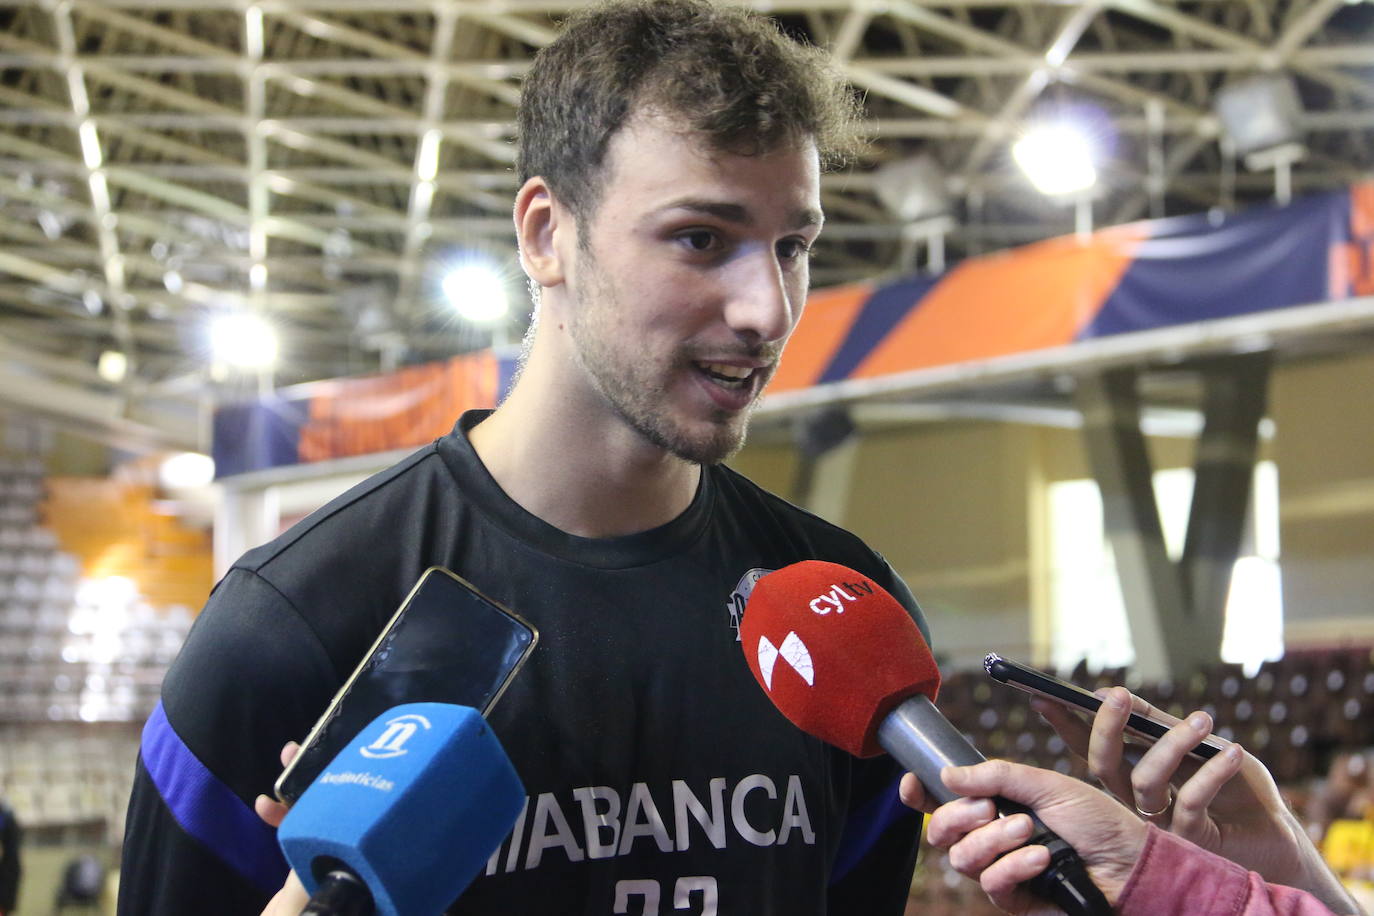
(992,850)
(1230,806)
(844,661)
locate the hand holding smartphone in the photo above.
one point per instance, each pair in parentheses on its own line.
(1038,683)
(447,643)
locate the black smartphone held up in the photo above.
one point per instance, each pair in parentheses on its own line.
(1040,684)
(448,643)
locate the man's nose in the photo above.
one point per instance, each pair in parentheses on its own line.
(762,298)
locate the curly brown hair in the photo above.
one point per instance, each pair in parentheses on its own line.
(729,74)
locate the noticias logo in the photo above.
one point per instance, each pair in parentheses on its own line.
(391,743)
(793,651)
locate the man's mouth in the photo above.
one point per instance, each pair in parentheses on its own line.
(731,377)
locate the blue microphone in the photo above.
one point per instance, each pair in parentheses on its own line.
(401,821)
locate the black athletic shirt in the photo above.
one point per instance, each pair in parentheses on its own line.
(660,778)
(10,839)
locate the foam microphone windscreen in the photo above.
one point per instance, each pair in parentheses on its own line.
(413,806)
(834,651)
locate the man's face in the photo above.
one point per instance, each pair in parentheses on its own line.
(687,281)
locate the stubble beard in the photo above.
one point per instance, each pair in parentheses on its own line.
(636,389)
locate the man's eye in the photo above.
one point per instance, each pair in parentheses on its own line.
(700,240)
(791,249)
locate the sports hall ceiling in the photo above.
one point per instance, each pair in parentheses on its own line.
(162,161)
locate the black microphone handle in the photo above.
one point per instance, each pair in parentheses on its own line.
(921,739)
(341,893)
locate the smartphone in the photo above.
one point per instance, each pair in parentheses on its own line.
(448,643)
(1044,685)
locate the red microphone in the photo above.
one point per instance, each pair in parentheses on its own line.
(844,661)
(870,652)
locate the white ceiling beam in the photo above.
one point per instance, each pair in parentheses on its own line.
(154,32)
(86,411)
(1345,55)
(998,127)
(1136,205)
(115,298)
(1304,25)
(461,130)
(531,33)
(850,34)
(359,40)
(131,222)
(76,285)
(981,41)
(912,95)
(325,148)
(150,89)
(259,195)
(327,197)
(189,173)
(36,55)
(1236,57)
(358,102)
(1151,11)
(425,168)
(116,125)
(1024,95)
(197,201)
(1204,124)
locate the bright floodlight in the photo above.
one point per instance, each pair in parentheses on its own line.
(186,470)
(477,293)
(113,366)
(244,340)
(1057,158)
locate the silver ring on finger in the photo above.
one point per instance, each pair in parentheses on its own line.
(1168,803)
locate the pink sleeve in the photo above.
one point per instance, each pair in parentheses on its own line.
(1176,878)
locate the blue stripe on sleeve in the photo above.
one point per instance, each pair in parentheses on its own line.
(209,810)
(865,826)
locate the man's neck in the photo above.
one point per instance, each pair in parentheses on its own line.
(581,470)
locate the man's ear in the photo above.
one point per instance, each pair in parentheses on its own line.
(540,223)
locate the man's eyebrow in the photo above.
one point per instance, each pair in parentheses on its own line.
(736,213)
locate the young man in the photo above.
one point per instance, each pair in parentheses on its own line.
(11,838)
(670,154)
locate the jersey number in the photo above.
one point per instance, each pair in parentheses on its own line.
(682,895)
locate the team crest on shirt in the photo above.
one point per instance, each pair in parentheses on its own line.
(740,596)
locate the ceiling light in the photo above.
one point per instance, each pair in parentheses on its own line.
(1261,112)
(112,366)
(253,32)
(477,292)
(111,595)
(1057,157)
(424,196)
(90,145)
(51,224)
(427,162)
(339,244)
(186,470)
(244,340)
(913,189)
